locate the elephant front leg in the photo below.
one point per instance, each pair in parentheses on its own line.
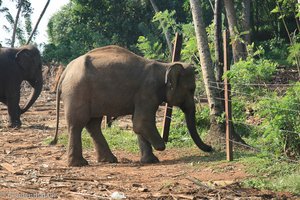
(14,112)
(148,135)
(147,155)
(104,154)
(75,157)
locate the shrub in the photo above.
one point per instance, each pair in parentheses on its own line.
(277,49)
(250,71)
(281,124)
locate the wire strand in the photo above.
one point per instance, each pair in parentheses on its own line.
(262,128)
(260,150)
(257,84)
(267,98)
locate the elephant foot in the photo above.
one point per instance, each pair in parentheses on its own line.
(149,159)
(15,124)
(109,159)
(77,162)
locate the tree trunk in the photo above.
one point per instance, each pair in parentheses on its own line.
(217,130)
(218,40)
(208,74)
(37,23)
(166,32)
(237,47)
(297,18)
(13,39)
(246,20)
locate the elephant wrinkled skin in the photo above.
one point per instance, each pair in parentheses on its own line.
(17,65)
(115,82)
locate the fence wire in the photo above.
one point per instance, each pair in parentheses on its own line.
(246,94)
(257,84)
(215,85)
(261,151)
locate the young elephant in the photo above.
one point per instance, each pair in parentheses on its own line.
(115,82)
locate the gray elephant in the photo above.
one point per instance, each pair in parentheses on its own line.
(115,82)
(16,65)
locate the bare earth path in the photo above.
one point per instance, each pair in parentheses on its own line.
(30,169)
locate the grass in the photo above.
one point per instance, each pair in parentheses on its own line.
(124,140)
(117,139)
(272,174)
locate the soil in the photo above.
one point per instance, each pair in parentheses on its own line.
(30,169)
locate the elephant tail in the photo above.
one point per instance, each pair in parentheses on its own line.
(58,94)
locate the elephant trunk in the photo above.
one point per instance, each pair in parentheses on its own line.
(191,125)
(37,85)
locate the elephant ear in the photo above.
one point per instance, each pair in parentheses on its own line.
(172,76)
(25,59)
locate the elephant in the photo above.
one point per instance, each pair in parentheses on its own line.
(17,65)
(114,81)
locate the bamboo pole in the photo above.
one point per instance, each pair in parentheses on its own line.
(228,113)
(168,108)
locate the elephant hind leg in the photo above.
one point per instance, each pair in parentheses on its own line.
(104,154)
(75,157)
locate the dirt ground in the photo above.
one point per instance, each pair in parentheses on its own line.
(30,169)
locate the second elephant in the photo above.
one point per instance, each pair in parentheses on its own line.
(115,82)
(16,65)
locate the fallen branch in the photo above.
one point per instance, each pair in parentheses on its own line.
(181,196)
(25,148)
(198,182)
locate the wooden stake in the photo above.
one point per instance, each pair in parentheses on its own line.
(227,94)
(168,109)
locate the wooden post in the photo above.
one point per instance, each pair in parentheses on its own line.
(227,94)
(168,109)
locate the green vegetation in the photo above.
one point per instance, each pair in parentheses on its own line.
(24,27)
(281,122)
(272,174)
(117,139)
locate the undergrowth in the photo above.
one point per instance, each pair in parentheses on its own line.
(272,174)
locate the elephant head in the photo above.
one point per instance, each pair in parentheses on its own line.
(180,81)
(29,60)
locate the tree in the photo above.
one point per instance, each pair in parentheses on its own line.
(217,129)
(237,47)
(69,38)
(166,31)
(246,16)
(15,25)
(217,40)
(88,24)
(20,4)
(37,23)
(207,68)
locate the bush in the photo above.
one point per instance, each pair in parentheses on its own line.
(281,122)
(277,49)
(250,71)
